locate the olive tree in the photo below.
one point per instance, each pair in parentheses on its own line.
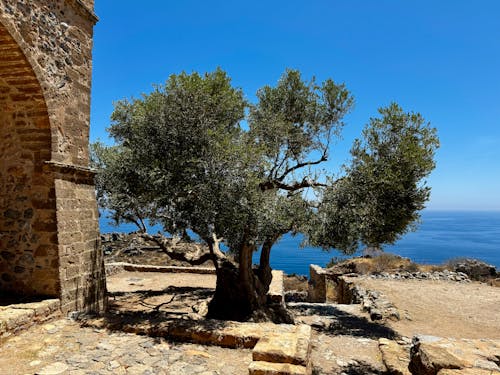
(196,165)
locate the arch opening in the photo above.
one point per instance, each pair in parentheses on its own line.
(28,228)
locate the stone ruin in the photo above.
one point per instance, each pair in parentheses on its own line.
(49,234)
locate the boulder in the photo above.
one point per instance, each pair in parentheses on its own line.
(429,355)
(475,269)
(395,357)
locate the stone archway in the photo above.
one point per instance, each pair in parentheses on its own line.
(29,254)
(49,236)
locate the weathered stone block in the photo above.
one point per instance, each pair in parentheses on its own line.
(290,347)
(276,291)
(317,284)
(429,354)
(395,357)
(268,368)
(468,371)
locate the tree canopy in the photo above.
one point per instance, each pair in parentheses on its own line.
(184,157)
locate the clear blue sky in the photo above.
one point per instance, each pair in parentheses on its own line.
(439,58)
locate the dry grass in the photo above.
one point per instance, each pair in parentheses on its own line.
(385,262)
(294,282)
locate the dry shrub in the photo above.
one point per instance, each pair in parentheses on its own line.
(364,268)
(295,282)
(432,268)
(452,263)
(334,261)
(387,262)
(412,267)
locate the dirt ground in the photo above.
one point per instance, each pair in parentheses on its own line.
(441,308)
(172,293)
(135,281)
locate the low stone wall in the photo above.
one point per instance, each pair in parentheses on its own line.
(14,318)
(373,302)
(114,268)
(437,275)
(322,285)
(325,286)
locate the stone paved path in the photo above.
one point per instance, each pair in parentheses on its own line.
(63,347)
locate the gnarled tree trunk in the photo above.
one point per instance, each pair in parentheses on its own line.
(241,291)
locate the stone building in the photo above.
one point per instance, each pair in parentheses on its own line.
(49,234)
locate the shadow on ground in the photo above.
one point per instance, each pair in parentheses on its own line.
(171,312)
(339,322)
(7,298)
(175,300)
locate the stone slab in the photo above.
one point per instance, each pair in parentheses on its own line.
(289,347)
(207,332)
(276,292)
(41,308)
(430,354)
(267,368)
(19,316)
(395,357)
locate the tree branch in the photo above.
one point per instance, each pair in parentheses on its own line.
(301,165)
(305,183)
(195,257)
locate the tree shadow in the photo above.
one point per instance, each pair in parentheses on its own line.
(177,290)
(359,368)
(181,300)
(340,322)
(167,321)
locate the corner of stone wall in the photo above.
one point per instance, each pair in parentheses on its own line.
(82,274)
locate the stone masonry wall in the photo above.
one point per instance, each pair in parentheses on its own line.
(56,36)
(28,245)
(81,261)
(49,237)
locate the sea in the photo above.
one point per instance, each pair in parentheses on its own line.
(440,236)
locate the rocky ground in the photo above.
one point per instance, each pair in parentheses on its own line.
(345,339)
(441,308)
(64,347)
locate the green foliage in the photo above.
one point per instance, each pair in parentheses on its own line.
(201,170)
(122,189)
(380,197)
(183,158)
(185,139)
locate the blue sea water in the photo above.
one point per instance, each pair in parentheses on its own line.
(440,236)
